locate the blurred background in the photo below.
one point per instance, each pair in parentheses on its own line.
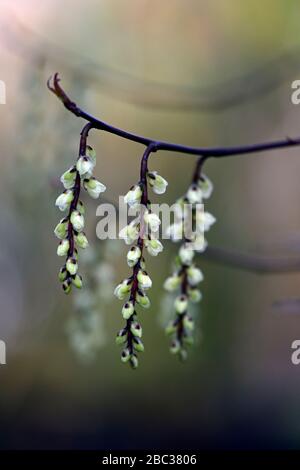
(196,72)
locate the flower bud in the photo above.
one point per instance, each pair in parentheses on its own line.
(63,247)
(154,247)
(61,229)
(133,256)
(77,220)
(186,253)
(84,166)
(142,299)
(125,355)
(157,182)
(199,244)
(144,280)
(91,153)
(66,285)
(175,347)
(130,233)
(194,295)
(181,304)
(81,240)
(204,220)
(123,288)
(138,344)
(170,328)
(72,266)
(121,336)
(94,187)
(133,196)
(68,178)
(128,310)
(134,362)
(143,264)
(194,194)
(64,200)
(206,186)
(172,283)
(77,281)
(62,275)
(136,329)
(152,220)
(80,207)
(194,275)
(188,340)
(188,323)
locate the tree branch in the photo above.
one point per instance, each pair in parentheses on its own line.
(207,152)
(259,264)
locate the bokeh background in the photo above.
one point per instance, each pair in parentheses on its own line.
(197,72)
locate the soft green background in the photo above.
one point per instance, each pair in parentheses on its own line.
(239,388)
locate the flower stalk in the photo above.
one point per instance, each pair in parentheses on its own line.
(141,233)
(70,229)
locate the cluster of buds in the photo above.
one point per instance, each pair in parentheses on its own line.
(142,233)
(70,229)
(187,276)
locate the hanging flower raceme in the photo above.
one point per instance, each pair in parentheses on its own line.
(142,233)
(70,229)
(191,224)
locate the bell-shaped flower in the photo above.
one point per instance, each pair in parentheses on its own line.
(194,194)
(133,196)
(77,220)
(204,220)
(186,253)
(144,280)
(172,283)
(121,336)
(134,362)
(153,246)
(181,304)
(128,310)
(62,275)
(61,229)
(123,289)
(63,247)
(194,295)
(85,166)
(194,275)
(72,266)
(152,220)
(206,186)
(68,178)
(67,286)
(64,200)
(125,355)
(188,323)
(94,187)
(157,182)
(133,256)
(77,281)
(138,344)
(130,233)
(142,299)
(136,329)
(171,328)
(81,240)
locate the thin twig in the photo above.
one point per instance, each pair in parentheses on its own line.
(208,152)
